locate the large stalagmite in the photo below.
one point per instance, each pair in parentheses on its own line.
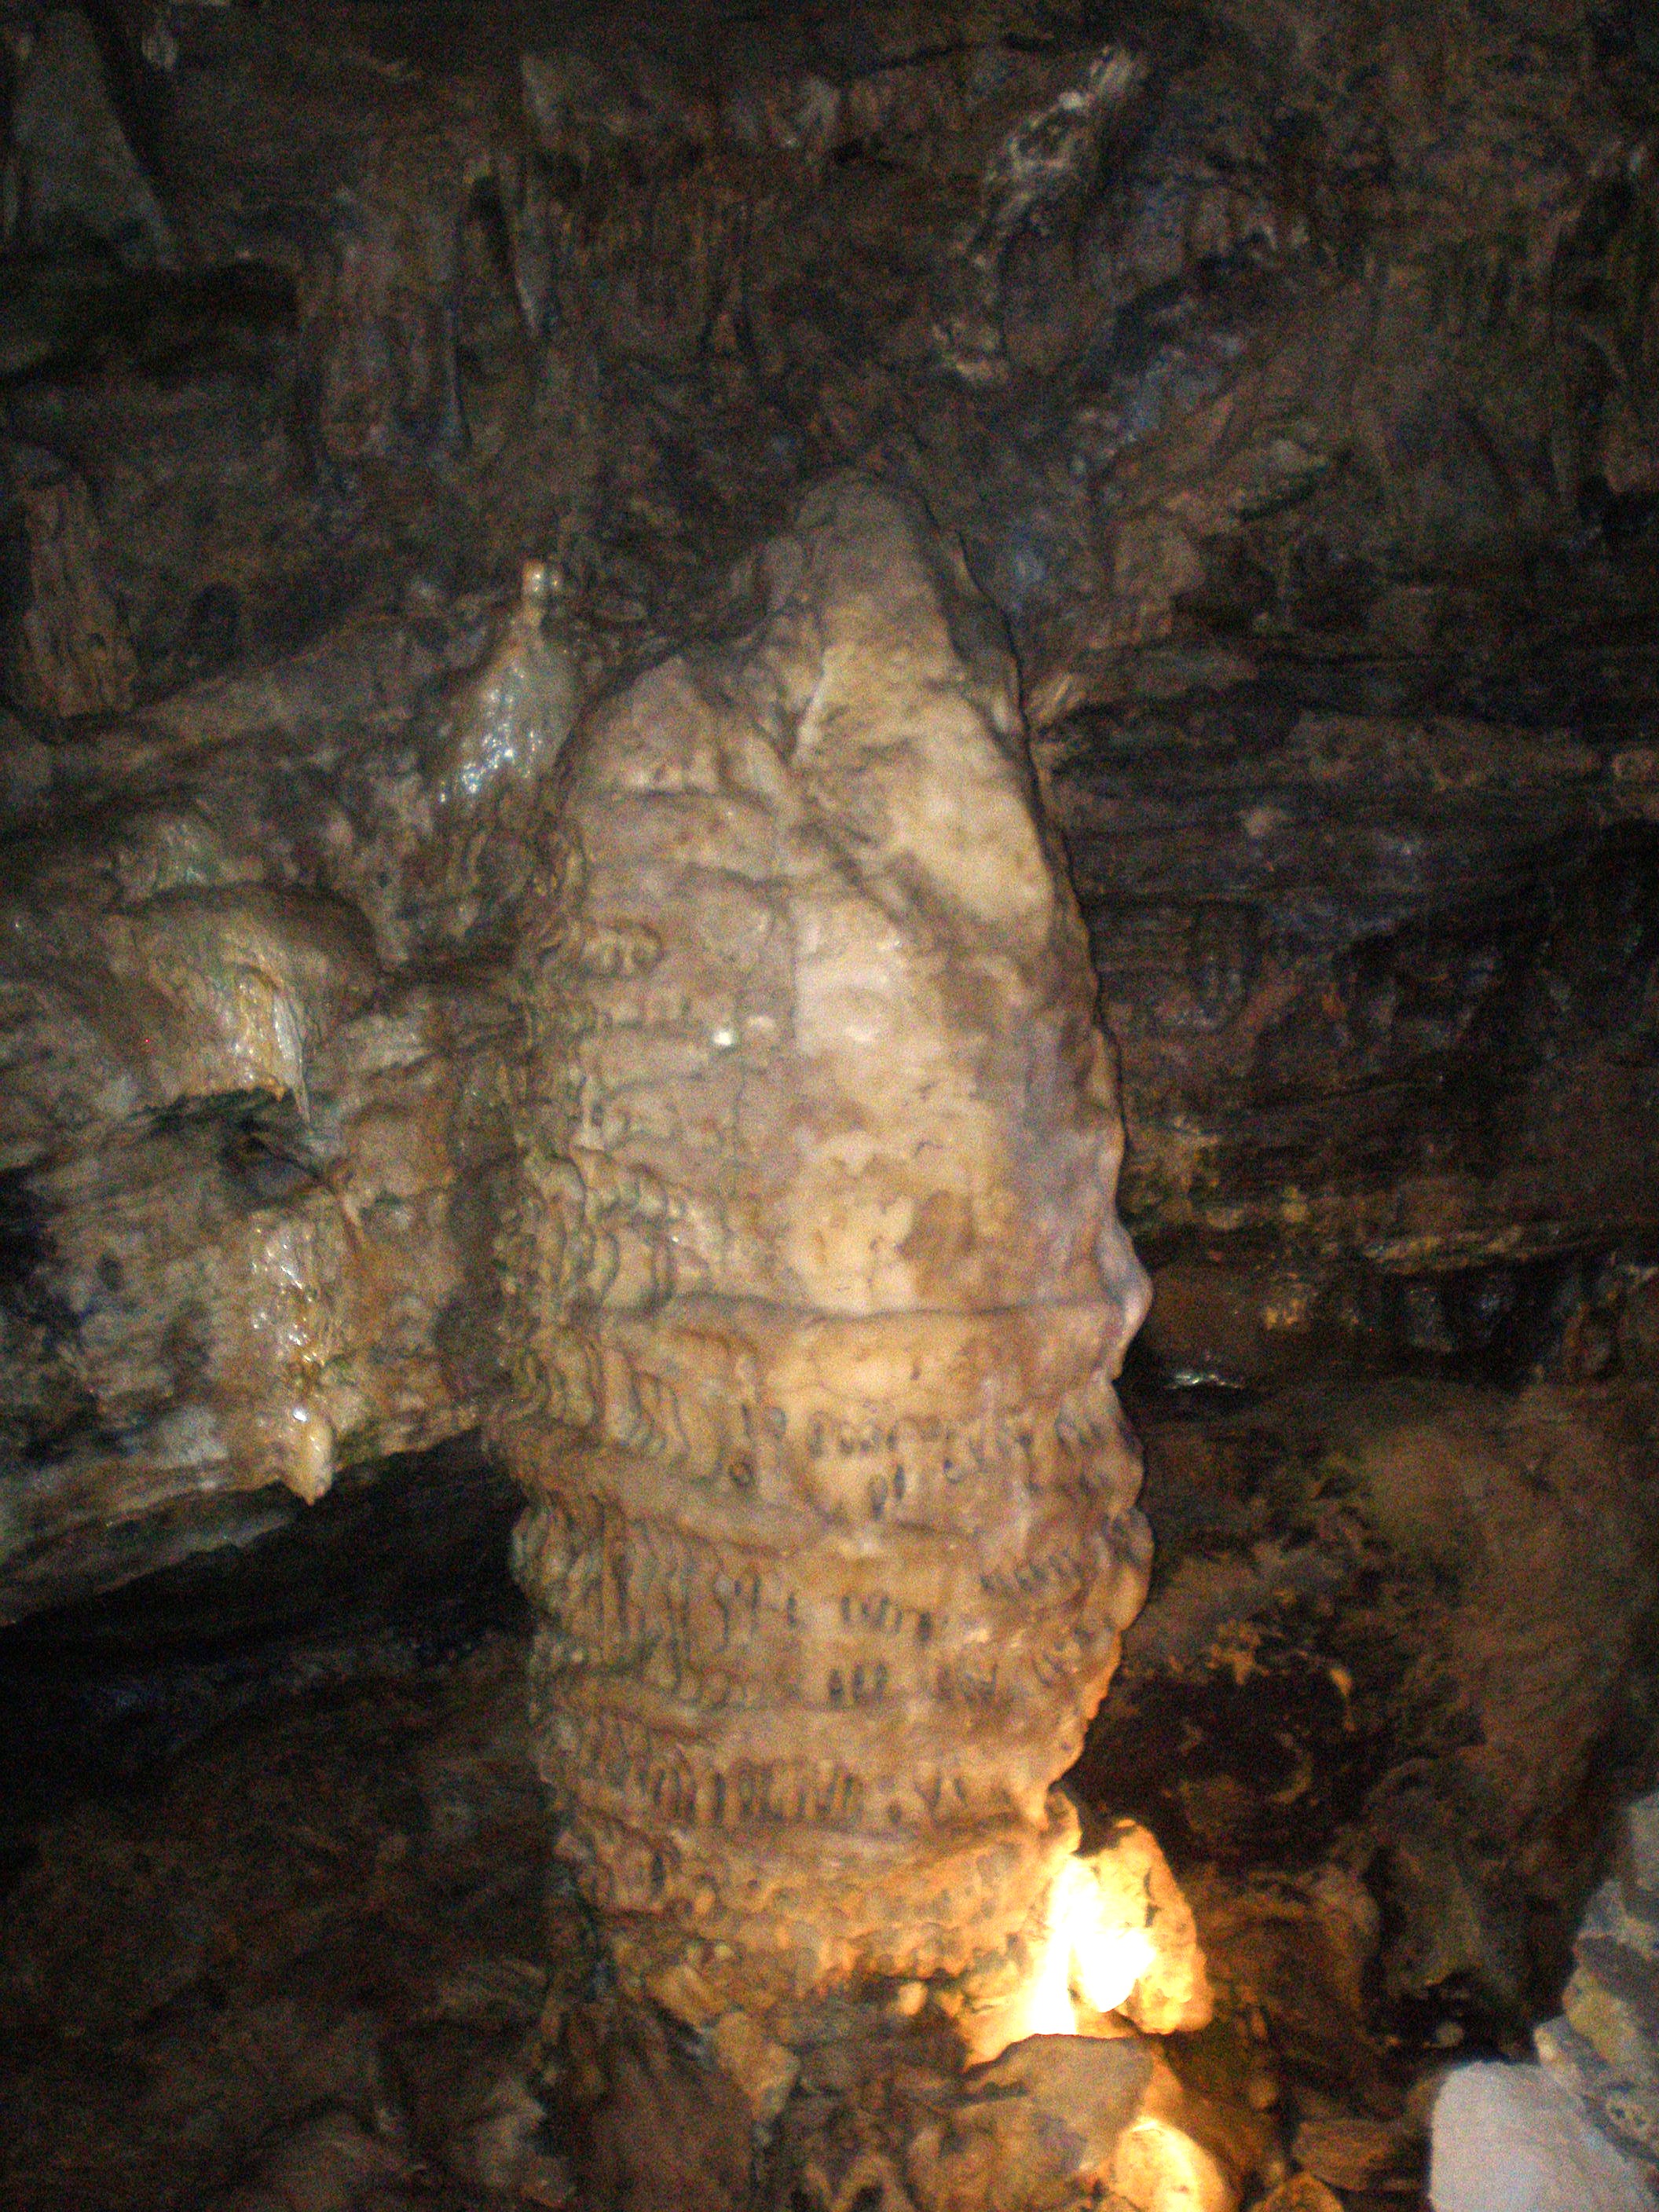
(816,1293)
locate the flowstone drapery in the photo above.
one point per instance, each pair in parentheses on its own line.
(815,1294)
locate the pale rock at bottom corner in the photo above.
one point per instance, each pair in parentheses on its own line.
(1511,2139)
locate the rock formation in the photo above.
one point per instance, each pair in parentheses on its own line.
(1288,378)
(815,1292)
(1511,2139)
(1604,2048)
(225,1126)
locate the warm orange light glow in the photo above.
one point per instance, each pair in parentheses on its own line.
(1118,1953)
(1091,1955)
(1159,2168)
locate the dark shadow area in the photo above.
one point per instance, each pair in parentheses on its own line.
(398,1573)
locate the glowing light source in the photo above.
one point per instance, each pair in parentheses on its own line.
(1117,1951)
(1091,1953)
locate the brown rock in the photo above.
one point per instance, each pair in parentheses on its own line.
(327,2166)
(1035,2129)
(651,2123)
(815,1292)
(70,174)
(1362,2153)
(71,651)
(1303,2193)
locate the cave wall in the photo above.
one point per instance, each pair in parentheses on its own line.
(1285,377)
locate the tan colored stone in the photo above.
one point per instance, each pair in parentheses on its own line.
(815,1289)
(1303,2193)
(764,2071)
(252,1139)
(1040,2127)
(1159,2167)
(1137,1890)
(1182,2152)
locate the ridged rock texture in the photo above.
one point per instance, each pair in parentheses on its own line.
(1289,378)
(1605,2046)
(248,987)
(815,1293)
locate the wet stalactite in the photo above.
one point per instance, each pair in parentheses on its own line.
(528,541)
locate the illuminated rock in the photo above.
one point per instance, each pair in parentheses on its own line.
(1045,2125)
(1118,1937)
(1056,2121)
(815,1293)
(1159,2167)
(248,1002)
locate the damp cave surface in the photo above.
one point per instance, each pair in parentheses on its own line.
(1272,391)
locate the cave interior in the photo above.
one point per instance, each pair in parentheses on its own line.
(1185,471)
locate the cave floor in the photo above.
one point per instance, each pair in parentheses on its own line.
(277,1932)
(324,1917)
(295,1962)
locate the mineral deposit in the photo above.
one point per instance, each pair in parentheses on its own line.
(815,1290)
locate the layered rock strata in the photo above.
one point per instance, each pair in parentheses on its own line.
(1604,2047)
(815,1291)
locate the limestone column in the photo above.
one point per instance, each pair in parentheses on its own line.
(815,1293)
